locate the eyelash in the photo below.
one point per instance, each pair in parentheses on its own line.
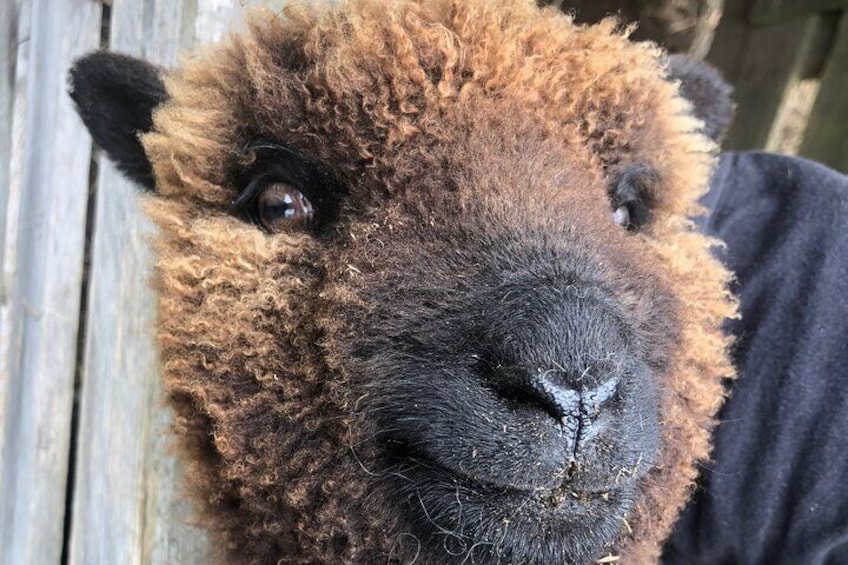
(278,167)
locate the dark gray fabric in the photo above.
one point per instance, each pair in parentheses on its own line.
(777,490)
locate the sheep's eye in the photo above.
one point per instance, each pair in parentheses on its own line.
(631,197)
(280,206)
(283,191)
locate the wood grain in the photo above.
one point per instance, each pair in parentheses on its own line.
(43,264)
(128,504)
(771,60)
(8,56)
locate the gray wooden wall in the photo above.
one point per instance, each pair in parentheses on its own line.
(85,472)
(788,63)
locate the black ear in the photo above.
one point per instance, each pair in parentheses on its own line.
(708,92)
(115,96)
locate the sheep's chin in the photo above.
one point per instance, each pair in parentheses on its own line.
(454,516)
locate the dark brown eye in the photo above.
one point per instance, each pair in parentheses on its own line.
(631,197)
(280,206)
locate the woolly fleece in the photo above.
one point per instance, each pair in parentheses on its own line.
(253,326)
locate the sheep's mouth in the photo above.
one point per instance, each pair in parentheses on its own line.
(564,494)
(558,496)
(452,514)
(571,474)
(474,422)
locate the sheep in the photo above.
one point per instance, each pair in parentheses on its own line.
(428,287)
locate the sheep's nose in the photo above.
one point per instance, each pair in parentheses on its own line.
(567,404)
(577,409)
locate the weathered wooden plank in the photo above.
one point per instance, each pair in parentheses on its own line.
(827,129)
(773,60)
(43,261)
(8,54)
(128,503)
(705,28)
(768,12)
(730,38)
(121,470)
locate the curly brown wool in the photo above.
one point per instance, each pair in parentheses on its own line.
(475,142)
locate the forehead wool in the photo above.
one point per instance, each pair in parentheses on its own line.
(383,92)
(373,76)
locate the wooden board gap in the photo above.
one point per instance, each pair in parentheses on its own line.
(80,354)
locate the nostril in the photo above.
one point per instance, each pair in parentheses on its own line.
(563,403)
(567,404)
(553,391)
(576,410)
(597,398)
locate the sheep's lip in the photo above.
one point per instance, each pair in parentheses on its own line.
(556,497)
(542,515)
(549,497)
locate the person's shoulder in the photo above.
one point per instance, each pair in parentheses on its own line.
(774,492)
(745,174)
(759,200)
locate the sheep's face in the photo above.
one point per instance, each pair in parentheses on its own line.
(427,288)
